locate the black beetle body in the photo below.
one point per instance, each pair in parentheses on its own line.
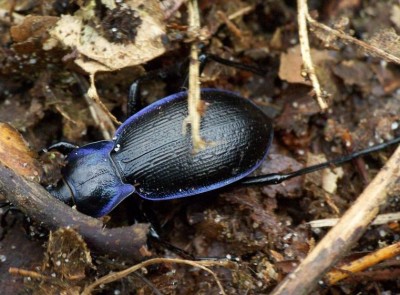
(150,154)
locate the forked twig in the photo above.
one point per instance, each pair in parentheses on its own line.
(344,271)
(309,70)
(373,50)
(194,102)
(347,231)
(118,275)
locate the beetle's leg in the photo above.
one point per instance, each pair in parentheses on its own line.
(276,178)
(63,147)
(134,97)
(154,238)
(4,224)
(205,57)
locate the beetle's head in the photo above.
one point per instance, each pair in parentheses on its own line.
(90,180)
(62,192)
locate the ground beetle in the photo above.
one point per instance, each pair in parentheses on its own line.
(150,156)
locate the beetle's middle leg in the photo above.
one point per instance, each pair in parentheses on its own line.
(134,99)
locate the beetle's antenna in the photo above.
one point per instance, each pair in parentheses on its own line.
(275,178)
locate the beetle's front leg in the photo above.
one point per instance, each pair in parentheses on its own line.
(63,147)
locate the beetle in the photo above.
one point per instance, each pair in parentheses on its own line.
(150,156)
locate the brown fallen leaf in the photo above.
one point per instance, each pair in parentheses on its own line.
(29,36)
(64,265)
(354,72)
(291,64)
(387,40)
(127,34)
(68,254)
(16,154)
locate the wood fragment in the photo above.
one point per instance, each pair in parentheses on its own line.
(194,102)
(38,204)
(345,234)
(121,274)
(368,48)
(379,220)
(302,12)
(344,271)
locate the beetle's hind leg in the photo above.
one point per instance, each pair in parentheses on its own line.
(205,57)
(276,178)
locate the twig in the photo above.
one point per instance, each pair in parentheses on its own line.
(118,275)
(99,110)
(100,114)
(194,102)
(37,203)
(13,19)
(344,271)
(302,12)
(341,237)
(27,273)
(365,46)
(230,25)
(243,11)
(380,219)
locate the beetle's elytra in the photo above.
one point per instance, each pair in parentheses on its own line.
(152,157)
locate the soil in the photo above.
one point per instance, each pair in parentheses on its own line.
(42,95)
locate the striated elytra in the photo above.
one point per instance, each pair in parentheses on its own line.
(151,156)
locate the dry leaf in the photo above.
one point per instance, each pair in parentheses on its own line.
(31,33)
(16,155)
(327,178)
(354,72)
(395,16)
(291,64)
(387,40)
(68,254)
(129,34)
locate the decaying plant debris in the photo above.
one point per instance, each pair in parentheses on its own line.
(66,68)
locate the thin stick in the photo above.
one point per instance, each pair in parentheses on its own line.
(118,275)
(99,107)
(31,198)
(379,220)
(241,12)
(10,19)
(365,46)
(230,25)
(302,12)
(27,273)
(341,237)
(361,264)
(194,102)
(100,114)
